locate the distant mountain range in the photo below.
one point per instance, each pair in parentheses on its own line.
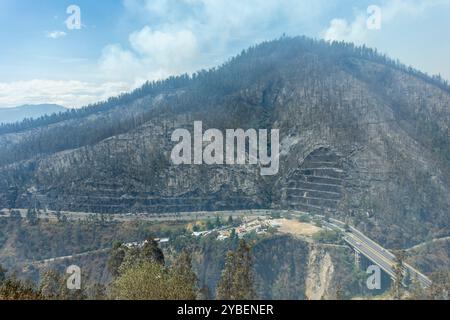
(10,115)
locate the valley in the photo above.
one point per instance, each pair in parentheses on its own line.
(362,175)
(258,226)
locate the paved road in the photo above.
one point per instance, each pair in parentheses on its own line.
(63,258)
(424,244)
(376,253)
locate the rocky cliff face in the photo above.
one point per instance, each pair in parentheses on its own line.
(320,275)
(362,138)
(287,268)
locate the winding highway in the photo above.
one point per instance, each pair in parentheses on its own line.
(386,260)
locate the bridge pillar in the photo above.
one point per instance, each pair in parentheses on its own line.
(357,259)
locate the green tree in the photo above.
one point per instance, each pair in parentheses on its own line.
(132,258)
(243,284)
(218,223)
(151,252)
(53,286)
(225,285)
(116,258)
(182,268)
(151,281)
(237,280)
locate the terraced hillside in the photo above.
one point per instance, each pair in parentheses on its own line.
(316,186)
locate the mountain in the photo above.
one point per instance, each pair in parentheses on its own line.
(17,114)
(363,138)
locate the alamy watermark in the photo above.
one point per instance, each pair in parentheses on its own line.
(374,280)
(73,22)
(74,280)
(373,22)
(230,150)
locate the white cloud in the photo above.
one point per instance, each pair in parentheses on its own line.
(69,93)
(164,46)
(56,34)
(340,29)
(152,55)
(117,63)
(356,31)
(184,36)
(160,7)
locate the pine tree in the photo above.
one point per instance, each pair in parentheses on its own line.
(237,280)
(151,281)
(182,270)
(225,285)
(151,252)
(243,282)
(218,222)
(116,258)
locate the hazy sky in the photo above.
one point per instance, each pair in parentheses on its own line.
(122,43)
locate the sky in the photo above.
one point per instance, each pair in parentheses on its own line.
(48,55)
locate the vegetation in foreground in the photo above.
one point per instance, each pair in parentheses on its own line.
(140,273)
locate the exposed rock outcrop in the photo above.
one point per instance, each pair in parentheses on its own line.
(319,279)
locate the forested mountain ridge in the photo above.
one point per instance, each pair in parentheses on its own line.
(382,127)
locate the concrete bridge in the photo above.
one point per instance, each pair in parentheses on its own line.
(386,260)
